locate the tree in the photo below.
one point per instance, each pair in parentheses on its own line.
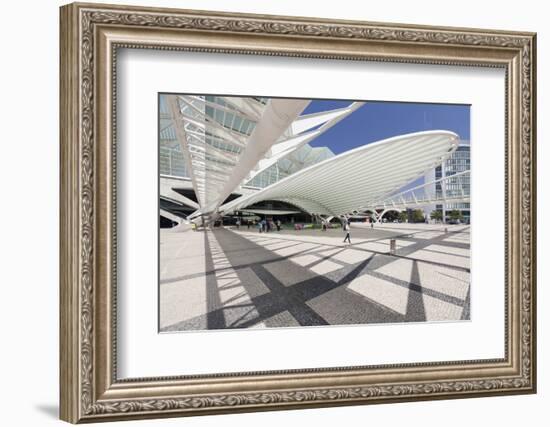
(436,215)
(455,214)
(402,216)
(391,216)
(418,215)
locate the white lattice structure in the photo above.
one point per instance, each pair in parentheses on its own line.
(227,141)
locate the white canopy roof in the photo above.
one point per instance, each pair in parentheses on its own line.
(226,141)
(358,178)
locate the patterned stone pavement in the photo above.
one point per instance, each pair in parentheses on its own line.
(226,279)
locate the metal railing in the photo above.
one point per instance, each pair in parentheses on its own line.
(450,189)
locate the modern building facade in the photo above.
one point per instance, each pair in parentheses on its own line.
(447,187)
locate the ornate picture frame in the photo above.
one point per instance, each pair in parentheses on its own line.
(90,37)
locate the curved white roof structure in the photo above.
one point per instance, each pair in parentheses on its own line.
(358,178)
(227,141)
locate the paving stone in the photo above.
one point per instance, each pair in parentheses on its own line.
(238,279)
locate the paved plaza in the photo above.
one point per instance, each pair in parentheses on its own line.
(229,278)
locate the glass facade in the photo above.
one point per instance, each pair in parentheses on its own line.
(224,114)
(455,187)
(217,114)
(171,161)
(299,159)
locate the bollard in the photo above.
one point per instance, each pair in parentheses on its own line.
(446,230)
(392,246)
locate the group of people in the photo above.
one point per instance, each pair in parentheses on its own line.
(265,226)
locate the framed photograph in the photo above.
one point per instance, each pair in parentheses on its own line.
(267,212)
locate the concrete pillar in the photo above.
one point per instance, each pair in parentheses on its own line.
(444,192)
(393,247)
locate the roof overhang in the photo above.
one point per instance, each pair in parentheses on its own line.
(359,177)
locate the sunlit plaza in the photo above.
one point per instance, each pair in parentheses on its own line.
(230,278)
(291,213)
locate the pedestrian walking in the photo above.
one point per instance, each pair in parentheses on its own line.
(346,230)
(278,225)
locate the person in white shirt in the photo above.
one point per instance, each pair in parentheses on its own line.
(346,230)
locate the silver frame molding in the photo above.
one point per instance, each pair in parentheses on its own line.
(90,37)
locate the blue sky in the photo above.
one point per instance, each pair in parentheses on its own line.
(378,120)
